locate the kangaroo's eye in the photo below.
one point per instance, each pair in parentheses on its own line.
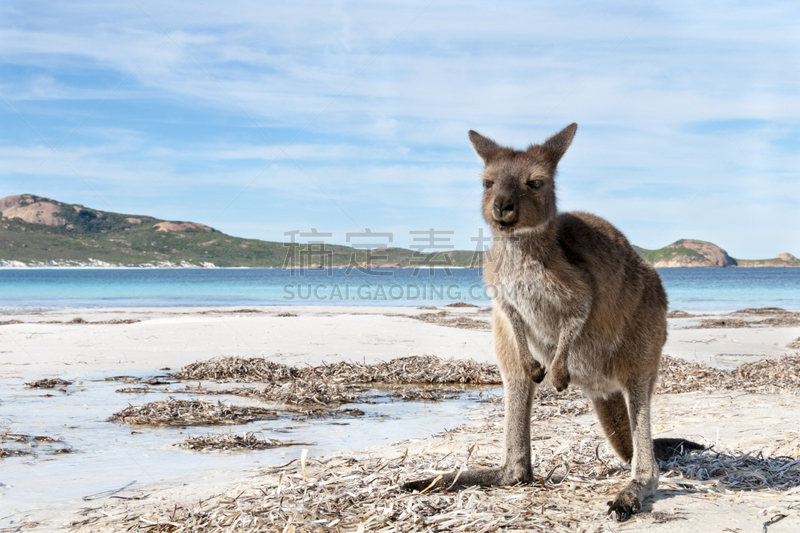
(535,184)
(488,185)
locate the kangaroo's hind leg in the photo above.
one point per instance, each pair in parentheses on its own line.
(612,411)
(644,469)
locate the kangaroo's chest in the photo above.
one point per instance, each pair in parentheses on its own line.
(530,294)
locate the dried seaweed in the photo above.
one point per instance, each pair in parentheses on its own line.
(191,412)
(443,318)
(775,317)
(136,390)
(719,323)
(20,444)
(795,344)
(49,383)
(227,442)
(677,313)
(306,393)
(414,369)
(763,311)
(415,395)
(577,476)
(237,369)
(318,385)
(342,494)
(460,304)
(79,320)
(157,380)
(733,470)
(768,376)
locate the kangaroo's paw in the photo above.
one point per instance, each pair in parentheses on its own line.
(534,370)
(559,377)
(484,477)
(624,505)
(426,484)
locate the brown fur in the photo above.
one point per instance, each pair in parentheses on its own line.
(572,297)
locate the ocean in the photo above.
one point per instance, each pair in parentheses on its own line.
(689,289)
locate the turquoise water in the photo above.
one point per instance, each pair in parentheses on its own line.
(688,288)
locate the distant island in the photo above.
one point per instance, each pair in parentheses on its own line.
(38,231)
(694,253)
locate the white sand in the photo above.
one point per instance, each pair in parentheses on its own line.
(174,337)
(178,336)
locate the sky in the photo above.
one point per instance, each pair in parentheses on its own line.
(262,118)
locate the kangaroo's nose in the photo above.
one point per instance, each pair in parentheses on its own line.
(504,210)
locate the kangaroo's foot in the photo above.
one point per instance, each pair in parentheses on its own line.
(666,448)
(629,499)
(484,477)
(624,505)
(559,375)
(533,369)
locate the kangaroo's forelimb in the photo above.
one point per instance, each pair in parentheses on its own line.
(533,369)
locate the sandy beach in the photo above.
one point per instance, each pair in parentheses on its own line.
(80,342)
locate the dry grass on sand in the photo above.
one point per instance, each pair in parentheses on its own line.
(191,412)
(578,474)
(229,441)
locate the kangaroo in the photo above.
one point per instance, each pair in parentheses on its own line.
(573,301)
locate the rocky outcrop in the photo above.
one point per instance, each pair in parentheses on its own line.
(32,209)
(693,253)
(181,226)
(783,260)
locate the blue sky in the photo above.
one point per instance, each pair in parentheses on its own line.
(261,118)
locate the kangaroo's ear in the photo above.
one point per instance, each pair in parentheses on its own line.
(556,145)
(485,148)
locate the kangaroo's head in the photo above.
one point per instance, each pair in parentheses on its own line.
(518,187)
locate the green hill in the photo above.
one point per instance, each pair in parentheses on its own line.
(39,231)
(36,230)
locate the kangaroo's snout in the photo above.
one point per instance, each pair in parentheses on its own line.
(504,210)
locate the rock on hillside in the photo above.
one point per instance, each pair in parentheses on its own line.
(711,255)
(79,219)
(783,260)
(33,209)
(688,253)
(181,226)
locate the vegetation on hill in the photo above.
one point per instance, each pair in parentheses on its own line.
(76,234)
(667,254)
(36,230)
